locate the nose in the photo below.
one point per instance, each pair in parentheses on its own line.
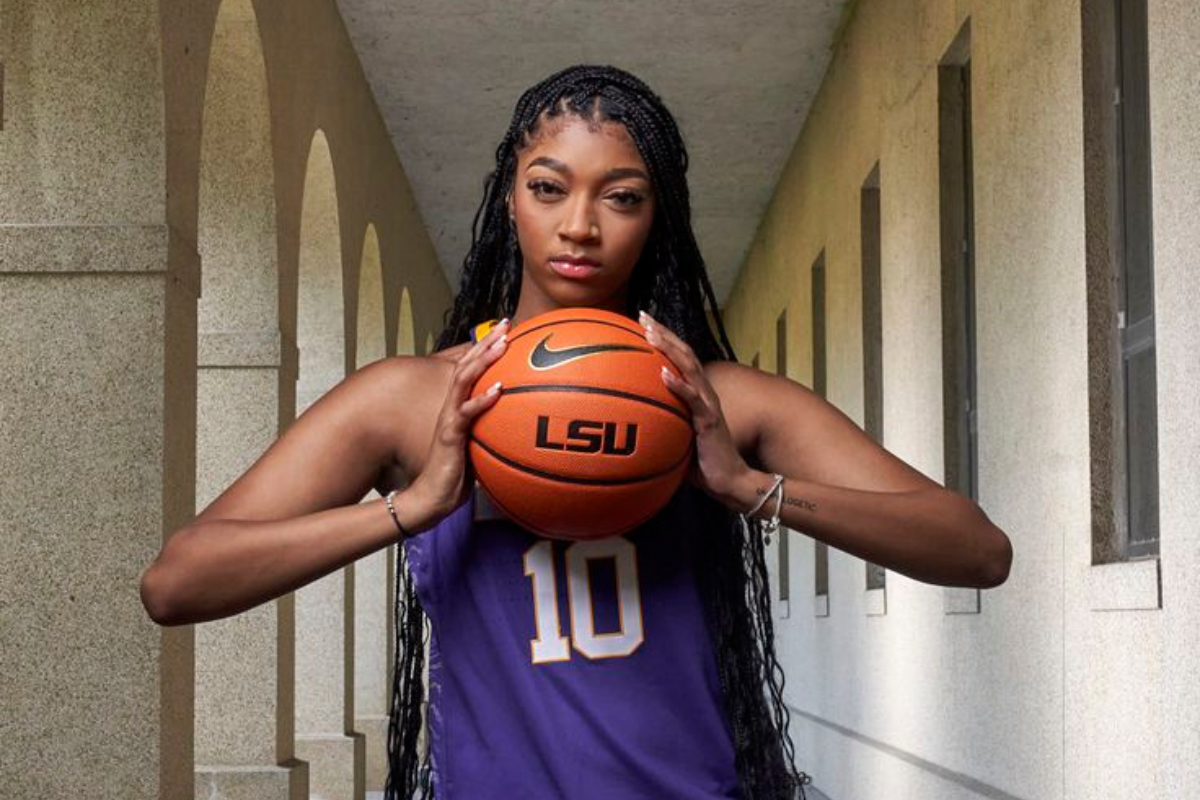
(580,225)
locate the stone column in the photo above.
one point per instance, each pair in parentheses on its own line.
(245,673)
(325,735)
(324,660)
(91,685)
(97,308)
(374,646)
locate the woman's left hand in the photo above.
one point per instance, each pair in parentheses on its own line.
(717,464)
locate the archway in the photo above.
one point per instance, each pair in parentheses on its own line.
(243,693)
(373,574)
(324,608)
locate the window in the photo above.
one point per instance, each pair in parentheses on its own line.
(960,406)
(821,551)
(1122,388)
(872,332)
(958,284)
(784,533)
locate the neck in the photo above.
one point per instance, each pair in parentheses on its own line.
(532,303)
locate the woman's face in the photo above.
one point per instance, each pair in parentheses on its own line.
(583,207)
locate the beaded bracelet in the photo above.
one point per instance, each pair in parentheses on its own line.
(392,510)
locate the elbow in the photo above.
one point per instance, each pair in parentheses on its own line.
(987,552)
(157,596)
(154,597)
(997,560)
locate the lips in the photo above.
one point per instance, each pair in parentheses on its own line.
(573,266)
(573,259)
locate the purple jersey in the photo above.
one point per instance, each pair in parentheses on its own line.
(579,670)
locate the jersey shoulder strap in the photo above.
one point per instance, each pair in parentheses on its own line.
(482,329)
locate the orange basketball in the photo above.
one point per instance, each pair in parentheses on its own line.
(585,440)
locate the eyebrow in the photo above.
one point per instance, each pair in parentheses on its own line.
(611,175)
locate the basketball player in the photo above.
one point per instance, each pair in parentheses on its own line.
(641,666)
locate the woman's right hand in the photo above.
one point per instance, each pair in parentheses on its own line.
(447,478)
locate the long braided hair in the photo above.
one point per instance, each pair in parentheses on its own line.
(669,281)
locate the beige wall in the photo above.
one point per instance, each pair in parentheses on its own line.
(99,281)
(1042,694)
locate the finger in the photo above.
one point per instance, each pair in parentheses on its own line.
(685,390)
(460,418)
(684,358)
(477,405)
(468,371)
(662,337)
(706,412)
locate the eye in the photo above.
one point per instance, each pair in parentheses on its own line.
(543,188)
(627,199)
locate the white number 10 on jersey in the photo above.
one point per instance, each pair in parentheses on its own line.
(550,644)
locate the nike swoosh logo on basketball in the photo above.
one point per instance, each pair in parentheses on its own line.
(543,357)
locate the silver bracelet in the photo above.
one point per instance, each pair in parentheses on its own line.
(771,525)
(392,510)
(779,482)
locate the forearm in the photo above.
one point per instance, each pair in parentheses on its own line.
(934,535)
(214,569)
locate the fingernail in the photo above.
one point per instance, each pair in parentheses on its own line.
(667,373)
(502,322)
(495,387)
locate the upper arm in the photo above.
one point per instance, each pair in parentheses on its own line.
(791,430)
(330,456)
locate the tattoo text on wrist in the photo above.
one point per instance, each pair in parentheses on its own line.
(799,502)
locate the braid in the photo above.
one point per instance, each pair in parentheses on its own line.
(671,282)
(408,770)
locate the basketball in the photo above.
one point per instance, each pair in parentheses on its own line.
(585,440)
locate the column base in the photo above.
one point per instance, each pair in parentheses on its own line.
(337,765)
(287,781)
(374,728)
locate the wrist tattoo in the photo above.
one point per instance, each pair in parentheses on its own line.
(799,502)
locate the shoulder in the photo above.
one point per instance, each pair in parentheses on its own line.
(378,383)
(737,384)
(783,426)
(399,399)
(750,398)
(730,374)
(398,371)
(382,379)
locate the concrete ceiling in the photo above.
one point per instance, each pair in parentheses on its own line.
(739,78)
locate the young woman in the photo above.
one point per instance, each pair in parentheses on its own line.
(588,206)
